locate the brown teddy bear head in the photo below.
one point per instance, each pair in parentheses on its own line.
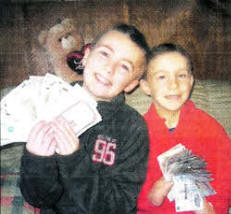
(56,44)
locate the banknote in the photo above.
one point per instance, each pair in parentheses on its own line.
(205,188)
(180,161)
(17,113)
(86,117)
(44,98)
(163,159)
(187,195)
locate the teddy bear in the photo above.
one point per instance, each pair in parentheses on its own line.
(51,53)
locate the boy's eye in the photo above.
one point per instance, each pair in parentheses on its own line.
(182,76)
(161,77)
(125,67)
(104,53)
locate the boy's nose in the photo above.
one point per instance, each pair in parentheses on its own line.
(110,67)
(172,83)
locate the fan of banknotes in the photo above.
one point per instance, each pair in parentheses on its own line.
(45,98)
(189,175)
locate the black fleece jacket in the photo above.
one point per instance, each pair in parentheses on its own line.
(104,176)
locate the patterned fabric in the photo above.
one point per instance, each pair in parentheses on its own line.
(12,202)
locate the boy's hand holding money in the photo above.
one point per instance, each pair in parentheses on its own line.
(46,138)
(159,191)
(66,140)
(207,208)
(41,140)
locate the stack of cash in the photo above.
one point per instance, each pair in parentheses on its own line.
(189,175)
(45,98)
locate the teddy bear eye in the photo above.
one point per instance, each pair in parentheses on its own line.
(60,39)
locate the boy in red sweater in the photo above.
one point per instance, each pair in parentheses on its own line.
(173,119)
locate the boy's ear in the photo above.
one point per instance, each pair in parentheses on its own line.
(192,80)
(145,86)
(131,86)
(86,54)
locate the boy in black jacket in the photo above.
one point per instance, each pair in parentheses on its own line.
(102,170)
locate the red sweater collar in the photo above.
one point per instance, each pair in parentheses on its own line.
(158,123)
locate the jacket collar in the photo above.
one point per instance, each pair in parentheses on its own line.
(108,109)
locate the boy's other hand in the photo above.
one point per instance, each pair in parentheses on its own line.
(159,191)
(208,208)
(66,140)
(41,140)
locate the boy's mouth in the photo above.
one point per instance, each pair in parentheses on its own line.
(102,80)
(173,97)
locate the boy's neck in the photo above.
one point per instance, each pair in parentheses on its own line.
(171,117)
(94,97)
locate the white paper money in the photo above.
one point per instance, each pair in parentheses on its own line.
(179,161)
(187,195)
(44,98)
(163,159)
(205,189)
(87,116)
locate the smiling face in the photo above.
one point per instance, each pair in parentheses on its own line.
(113,65)
(169,81)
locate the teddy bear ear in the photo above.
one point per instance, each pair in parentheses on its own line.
(68,21)
(42,37)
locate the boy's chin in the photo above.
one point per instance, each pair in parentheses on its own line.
(100,97)
(174,108)
(171,107)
